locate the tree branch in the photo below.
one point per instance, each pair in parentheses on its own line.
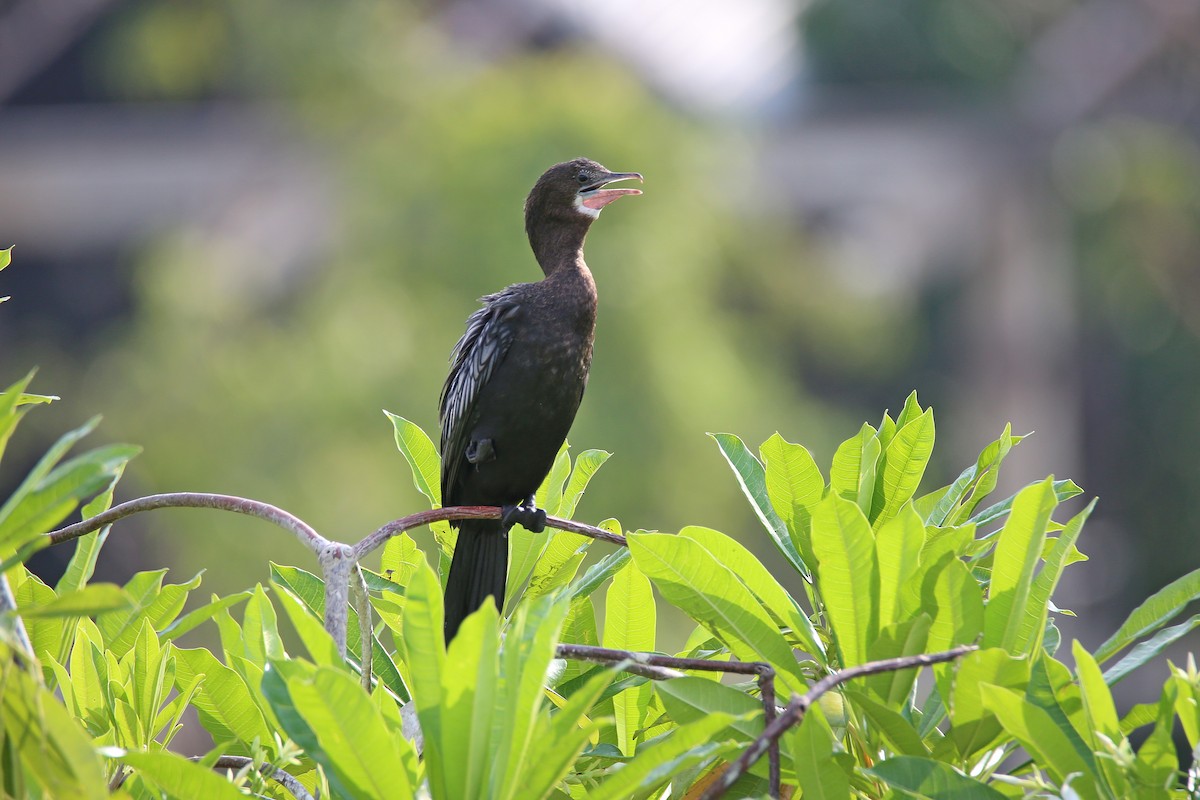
(239,505)
(798,707)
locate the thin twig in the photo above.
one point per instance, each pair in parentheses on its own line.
(798,707)
(239,505)
(366,627)
(642,663)
(398,526)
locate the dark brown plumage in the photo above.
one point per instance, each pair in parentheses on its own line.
(516,378)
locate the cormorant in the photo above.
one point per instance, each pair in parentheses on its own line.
(516,379)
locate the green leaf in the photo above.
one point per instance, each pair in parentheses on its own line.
(48,495)
(1037,610)
(470,695)
(180,778)
(986,473)
(904,638)
(1018,551)
(11,410)
(819,775)
(847,575)
(151,600)
(87,548)
(426,465)
(559,739)
(629,624)
(794,485)
(656,763)
(193,619)
(261,629)
(690,578)
(5,257)
(89,601)
(898,546)
(54,752)
(904,462)
(974,728)
(899,733)
(753,479)
(959,616)
(1097,699)
(355,742)
(425,655)
(223,700)
(852,475)
(587,464)
(751,572)
(1152,614)
(690,698)
(1063,490)
(1038,733)
(1149,649)
(930,779)
(602,570)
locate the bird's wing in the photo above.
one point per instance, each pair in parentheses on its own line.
(489,334)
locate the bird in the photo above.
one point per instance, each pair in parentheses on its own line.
(516,380)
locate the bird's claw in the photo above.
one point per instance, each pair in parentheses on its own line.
(529,516)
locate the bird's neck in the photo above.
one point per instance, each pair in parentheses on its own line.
(559,248)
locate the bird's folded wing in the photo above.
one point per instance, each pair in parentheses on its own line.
(481,349)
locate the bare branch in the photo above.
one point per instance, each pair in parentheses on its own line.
(798,707)
(239,505)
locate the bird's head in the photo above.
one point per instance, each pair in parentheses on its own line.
(574,190)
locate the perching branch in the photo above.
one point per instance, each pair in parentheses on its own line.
(337,560)
(798,707)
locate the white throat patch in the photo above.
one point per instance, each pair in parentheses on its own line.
(582,209)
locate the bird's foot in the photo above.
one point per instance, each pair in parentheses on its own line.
(527,514)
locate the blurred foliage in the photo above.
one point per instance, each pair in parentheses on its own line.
(276,391)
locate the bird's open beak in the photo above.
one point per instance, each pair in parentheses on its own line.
(595,196)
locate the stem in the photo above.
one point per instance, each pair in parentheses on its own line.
(798,707)
(366,628)
(23,652)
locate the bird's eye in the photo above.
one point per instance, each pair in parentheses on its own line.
(582,177)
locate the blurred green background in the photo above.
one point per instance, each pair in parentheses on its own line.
(244,228)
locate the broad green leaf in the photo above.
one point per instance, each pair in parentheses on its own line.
(1029,637)
(1039,734)
(89,601)
(658,761)
(317,641)
(852,475)
(1157,762)
(261,629)
(11,410)
(1149,649)
(559,739)
(753,479)
(602,570)
(898,546)
(811,744)
(959,615)
(5,257)
(56,754)
(587,464)
(44,500)
(310,590)
(1152,614)
(690,698)
(629,624)
(227,709)
(794,484)
(525,658)
(903,465)
(689,577)
(934,780)
(906,638)
(1018,552)
(193,619)
(973,727)
(180,778)
(400,559)
(87,548)
(426,465)
(986,473)
(469,694)
(1097,699)
(751,571)
(425,655)
(151,600)
(847,575)
(354,739)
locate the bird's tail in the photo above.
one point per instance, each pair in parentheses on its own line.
(479,569)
